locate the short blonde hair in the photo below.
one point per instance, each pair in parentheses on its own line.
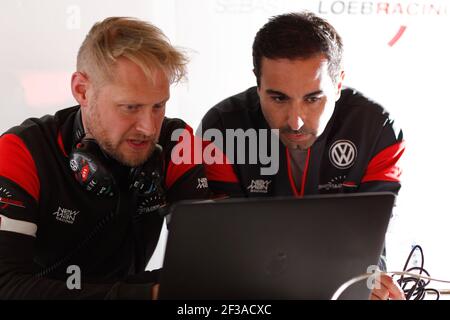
(136,40)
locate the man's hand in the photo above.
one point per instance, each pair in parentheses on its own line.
(388,289)
(155,291)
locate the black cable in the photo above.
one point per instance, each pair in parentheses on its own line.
(415,288)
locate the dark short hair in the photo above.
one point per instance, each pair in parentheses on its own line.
(299,35)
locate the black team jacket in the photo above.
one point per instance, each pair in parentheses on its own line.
(45,215)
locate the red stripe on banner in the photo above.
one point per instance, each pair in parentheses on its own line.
(384,166)
(17,164)
(397,36)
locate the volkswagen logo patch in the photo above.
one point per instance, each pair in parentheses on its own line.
(343,154)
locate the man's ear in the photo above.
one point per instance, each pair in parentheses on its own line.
(339,82)
(80,85)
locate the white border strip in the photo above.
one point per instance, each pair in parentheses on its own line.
(18,226)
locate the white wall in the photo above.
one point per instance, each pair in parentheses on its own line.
(40,38)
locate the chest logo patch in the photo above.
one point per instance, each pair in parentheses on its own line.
(259,186)
(343,154)
(202,183)
(65,215)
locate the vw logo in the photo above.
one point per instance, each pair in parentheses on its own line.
(343,154)
(73,165)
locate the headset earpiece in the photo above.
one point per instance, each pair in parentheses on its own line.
(147,182)
(88,169)
(144,178)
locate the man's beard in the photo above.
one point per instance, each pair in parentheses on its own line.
(305,145)
(99,133)
(113,151)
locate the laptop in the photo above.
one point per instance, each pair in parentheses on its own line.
(278,248)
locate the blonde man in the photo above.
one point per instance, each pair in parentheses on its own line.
(84,192)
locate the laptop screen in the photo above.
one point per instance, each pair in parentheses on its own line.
(278,248)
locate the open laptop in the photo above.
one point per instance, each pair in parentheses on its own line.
(279,248)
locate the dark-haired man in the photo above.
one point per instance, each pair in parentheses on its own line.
(333,140)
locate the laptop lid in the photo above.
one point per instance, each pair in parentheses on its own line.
(278,248)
